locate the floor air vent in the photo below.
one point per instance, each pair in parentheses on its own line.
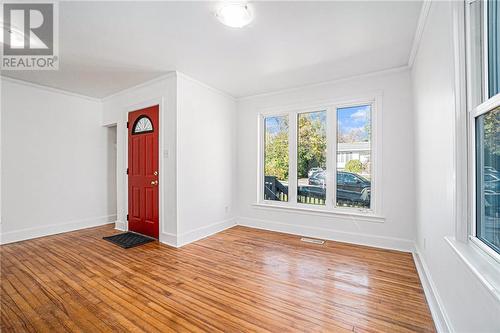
(312,240)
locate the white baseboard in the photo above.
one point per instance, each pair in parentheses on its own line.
(29,233)
(435,304)
(390,243)
(168,239)
(120,225)
(197,234)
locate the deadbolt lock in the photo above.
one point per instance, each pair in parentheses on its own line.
(155,173)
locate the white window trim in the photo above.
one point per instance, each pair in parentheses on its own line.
(472,115)
(374,213)
(483,266)
(472,112)
(319,211)
(478,257)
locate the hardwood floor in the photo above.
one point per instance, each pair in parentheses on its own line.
(240,280)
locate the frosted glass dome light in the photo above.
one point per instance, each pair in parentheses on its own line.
(235,15)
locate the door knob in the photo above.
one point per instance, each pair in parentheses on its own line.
(154,182)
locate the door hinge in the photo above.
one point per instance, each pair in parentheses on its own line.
(127,124)
(127,217)
(127,171)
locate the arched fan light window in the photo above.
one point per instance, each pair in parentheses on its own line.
(142,125)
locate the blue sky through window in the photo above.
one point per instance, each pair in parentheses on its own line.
(318,115)
(349,119)
(354,119)
(275,124)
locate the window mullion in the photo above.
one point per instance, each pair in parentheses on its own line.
(332,157)
(374,156)
(292,164)
(262,150)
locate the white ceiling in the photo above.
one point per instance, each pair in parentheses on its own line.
(109,46)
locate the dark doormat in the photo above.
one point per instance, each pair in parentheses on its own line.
(129,239)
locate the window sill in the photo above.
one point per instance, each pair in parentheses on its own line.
(347,213)
(486,269)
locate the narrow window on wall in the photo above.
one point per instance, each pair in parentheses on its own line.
(311,158)
(483,85)
(276,159)
(353,177)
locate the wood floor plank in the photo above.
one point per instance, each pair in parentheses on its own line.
(239,280)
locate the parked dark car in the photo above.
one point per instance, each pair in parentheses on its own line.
(353,188)
(350,187)
(491,170)
(492,194)
(317,178)
(312,171)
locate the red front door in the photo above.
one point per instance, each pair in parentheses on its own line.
(143,171)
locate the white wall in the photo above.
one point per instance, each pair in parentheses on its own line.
(197,160)
(466,303)
(162,92)
(396,177)
(54,157)
(206,159)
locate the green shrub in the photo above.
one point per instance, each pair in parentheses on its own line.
(354,166)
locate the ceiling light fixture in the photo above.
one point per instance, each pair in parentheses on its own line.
(235,15)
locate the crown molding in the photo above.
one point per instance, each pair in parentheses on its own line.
(90,98)
(198,82)
(140,85)
(47,88)
(324,83)
(422,19)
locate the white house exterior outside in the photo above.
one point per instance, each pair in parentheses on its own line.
(352,151)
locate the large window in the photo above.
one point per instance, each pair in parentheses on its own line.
(276,158)
(311,158)
(320,158)
(354,156)
(483,44)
